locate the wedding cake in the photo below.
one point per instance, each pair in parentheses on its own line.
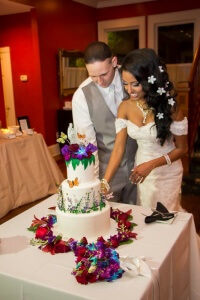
(81,209)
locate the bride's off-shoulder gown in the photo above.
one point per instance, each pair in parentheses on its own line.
(163,184)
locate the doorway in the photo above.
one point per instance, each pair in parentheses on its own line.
(7,83)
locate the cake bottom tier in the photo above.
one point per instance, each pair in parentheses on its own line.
(89,225)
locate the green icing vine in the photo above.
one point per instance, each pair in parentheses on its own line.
(85,162)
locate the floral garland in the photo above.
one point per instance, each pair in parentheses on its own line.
(94,261)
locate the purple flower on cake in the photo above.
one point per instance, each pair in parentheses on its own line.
(75,145)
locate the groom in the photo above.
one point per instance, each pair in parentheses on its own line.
(94,108)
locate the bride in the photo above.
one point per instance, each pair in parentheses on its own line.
(152,117)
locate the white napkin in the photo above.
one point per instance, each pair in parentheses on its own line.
(135,266)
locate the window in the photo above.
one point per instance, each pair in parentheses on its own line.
(123,35)
(165,28)
(122,42)
(174,36)
(175,43)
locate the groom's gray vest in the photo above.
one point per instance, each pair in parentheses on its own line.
(104,125)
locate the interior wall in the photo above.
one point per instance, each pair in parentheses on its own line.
(16,33)
(145,9)
(68,25)
(34,39)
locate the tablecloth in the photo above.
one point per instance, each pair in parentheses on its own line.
(171,251)
(28,172)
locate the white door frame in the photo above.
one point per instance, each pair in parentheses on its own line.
(7,83)
(122,24)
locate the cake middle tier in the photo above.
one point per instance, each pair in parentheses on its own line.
(84,197)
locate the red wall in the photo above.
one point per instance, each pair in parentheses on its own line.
(34,39)
(145,9)
(67,25)
(16,32)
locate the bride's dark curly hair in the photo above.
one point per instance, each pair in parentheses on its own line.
(142,64)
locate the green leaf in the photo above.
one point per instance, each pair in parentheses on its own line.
(74,161)
(126,242)
(33,228)
(84,162)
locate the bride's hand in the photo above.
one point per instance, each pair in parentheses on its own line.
(140,172)
(103,189)
(104,186)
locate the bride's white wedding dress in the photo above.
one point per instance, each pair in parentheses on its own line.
(163,184)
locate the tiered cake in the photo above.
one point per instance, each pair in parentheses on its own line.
(81,209)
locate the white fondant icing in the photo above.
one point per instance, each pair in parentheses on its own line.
(89,225)
(84,175)
(85,195)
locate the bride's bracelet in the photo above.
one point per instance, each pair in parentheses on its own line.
(105,183)
(168,160)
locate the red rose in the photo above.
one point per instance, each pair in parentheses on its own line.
(80,252)
(49,248)
(61,247)
(82,278)
(133,235)
(89,153)
(93,277)
(101,239)
(73,147)
(124,225)
(41,233)
(114,241)
(123,217)
(84,241)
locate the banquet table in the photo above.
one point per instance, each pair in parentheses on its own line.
(28,171)
(171,252)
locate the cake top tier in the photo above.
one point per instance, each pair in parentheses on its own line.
(75,144)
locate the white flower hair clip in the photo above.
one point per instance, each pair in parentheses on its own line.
(161,90)
(167,83)
(151,79)
(161,69)
(160,116)
(167,94)
(171,101)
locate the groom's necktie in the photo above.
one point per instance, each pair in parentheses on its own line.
(111,94)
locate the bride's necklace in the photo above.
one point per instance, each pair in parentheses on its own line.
(144,111)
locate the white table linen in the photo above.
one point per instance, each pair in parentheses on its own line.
(171,252)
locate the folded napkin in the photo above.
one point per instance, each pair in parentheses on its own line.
(160,214)
(135,266)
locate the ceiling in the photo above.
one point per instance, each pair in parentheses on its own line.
(107,3)
(8,7)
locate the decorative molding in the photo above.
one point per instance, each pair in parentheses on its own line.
(108,3)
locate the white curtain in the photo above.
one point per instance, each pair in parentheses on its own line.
(73,77)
